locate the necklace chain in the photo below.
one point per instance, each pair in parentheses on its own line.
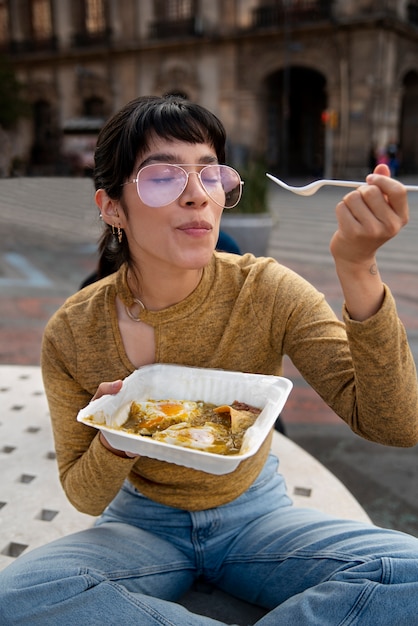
(141,308)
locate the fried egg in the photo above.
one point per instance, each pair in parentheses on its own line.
(209,437)
(149,416)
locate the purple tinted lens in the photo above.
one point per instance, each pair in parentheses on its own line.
(160,184)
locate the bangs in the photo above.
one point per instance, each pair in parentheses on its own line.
(179,125)
(177,119)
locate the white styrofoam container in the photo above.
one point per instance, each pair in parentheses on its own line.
(162,382)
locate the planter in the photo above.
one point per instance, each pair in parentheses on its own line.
(250,231)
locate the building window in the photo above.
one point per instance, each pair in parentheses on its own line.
(174,18)
(90,22)
(173,10)
(4,24)
(36,20)
(95,16)
(94,107)
(41,20)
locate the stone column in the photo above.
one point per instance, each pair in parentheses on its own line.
(63,23)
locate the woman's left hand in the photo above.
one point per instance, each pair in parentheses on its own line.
(111,389)
(368,217)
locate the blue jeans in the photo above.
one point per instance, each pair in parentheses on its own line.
(305,567)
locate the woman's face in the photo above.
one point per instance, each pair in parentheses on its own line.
(182,234)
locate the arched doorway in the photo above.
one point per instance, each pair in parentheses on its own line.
(408,134)
(296,100)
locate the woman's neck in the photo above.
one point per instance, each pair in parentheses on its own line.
(157,292)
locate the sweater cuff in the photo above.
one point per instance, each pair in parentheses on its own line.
(101,451)
(386,311)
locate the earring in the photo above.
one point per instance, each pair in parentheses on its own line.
(117,232)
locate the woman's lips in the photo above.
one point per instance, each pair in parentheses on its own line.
(195,228)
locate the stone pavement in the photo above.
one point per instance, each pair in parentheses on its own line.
(49,230)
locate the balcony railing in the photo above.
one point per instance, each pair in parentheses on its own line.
(49,44)
(165,29)
(301,11)
(85,39)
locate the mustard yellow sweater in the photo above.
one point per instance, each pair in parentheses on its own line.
(245,314)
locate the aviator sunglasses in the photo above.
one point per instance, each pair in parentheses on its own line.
(160,184)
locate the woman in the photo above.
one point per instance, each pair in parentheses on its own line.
(161,192)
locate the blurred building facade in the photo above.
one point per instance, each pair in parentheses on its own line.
(313,86)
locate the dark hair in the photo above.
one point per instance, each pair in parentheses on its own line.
(126,135)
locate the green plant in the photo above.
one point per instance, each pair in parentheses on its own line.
(254,192)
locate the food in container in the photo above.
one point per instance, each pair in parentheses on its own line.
(190,386)
(191,424)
